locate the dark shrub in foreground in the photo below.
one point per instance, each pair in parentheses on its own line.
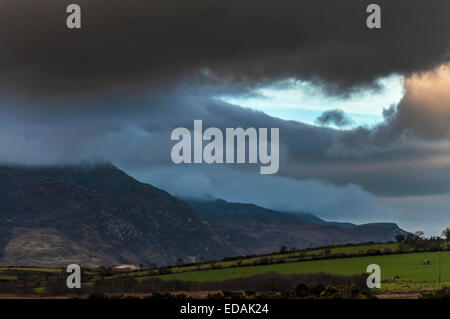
(443,293)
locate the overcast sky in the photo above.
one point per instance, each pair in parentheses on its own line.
(364,115)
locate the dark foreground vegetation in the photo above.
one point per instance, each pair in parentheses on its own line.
(341,290)
(269,285)
(443,293)
(265,282)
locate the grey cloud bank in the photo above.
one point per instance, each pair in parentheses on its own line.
(314,176)
(115,89)
(138,134)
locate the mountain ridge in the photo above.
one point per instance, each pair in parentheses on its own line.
(220,207)
(301,231)
(107,213)
(96,215)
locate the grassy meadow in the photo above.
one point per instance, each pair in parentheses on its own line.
(407,266)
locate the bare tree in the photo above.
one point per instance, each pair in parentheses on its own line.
(419,234)
(446,233)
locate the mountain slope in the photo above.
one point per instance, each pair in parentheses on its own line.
(111,216)
(263,230)
(220,207)
(98,215)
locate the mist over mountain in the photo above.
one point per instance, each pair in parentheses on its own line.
(95,214)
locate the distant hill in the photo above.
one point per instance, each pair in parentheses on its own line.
(98,215)
(265,230)
(221,207)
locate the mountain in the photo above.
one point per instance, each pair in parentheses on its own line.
(264,230)
(95,214)
(221,207)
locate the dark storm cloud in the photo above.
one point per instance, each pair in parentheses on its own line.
(135,45)
(334,117)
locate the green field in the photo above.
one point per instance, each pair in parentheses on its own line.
(289,257)
(413,274)
(408,266)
